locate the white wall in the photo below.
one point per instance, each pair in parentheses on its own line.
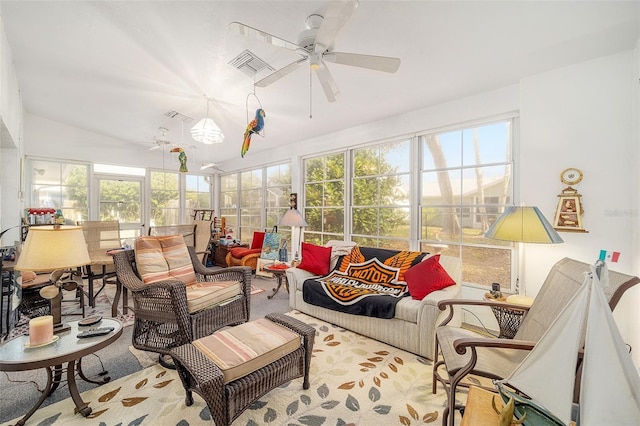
(51,139)
(582,116)
(10,142)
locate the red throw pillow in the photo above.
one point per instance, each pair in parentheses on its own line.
(258,239)
(315,259)
(426,277)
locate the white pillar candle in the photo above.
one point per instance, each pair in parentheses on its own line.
(40,330)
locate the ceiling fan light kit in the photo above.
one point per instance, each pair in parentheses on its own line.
(207,131)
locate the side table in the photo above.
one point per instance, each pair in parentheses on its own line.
(15,356)
(509,317)
(221,251)
(281,275)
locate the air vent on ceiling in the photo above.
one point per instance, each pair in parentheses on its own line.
(249,63)
(176,114)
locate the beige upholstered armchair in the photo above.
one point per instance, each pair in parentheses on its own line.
(460,352)
(175,309)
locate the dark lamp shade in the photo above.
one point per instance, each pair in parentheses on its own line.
(292,218)
(48,248)
(523,224)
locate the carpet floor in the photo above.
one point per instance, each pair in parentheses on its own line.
(354,380)
(20,390)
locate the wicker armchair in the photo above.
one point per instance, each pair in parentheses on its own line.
(162,320)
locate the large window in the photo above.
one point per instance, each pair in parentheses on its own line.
(229,199)
(197,192)
(465,185)
(62,186)
(255,200)
(278,189)
(251,204)
(381,195)
(436,192)
(324,195)
(165,198)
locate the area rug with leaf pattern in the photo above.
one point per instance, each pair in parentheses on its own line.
(354,381)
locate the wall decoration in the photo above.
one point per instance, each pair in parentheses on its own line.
(569,211)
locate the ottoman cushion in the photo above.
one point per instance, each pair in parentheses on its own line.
(245,348)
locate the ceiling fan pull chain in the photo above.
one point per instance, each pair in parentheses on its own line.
(310,91)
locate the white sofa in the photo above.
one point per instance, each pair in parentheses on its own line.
(412,328)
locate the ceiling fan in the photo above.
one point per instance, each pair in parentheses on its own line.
(161,140)
(315,45)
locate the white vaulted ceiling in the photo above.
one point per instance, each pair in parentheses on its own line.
(116,67)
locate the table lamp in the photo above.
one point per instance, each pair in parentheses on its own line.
(54,248)
(523,224)
(293,218)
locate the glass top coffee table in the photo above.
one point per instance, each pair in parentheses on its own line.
(15,355)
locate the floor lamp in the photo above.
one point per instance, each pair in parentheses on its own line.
(294,219)
(54,248)
(523,224)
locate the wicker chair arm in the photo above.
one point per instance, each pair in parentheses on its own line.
(234,273)
(124,261)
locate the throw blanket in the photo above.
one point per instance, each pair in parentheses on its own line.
(370,287)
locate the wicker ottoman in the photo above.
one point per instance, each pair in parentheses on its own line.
(228,390)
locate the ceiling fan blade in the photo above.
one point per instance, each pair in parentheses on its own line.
(259,35)
(211,166)
(335,18)
(277,75)
(328,84)
(377,63)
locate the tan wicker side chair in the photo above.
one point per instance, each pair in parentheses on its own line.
(162,320)
(101,236)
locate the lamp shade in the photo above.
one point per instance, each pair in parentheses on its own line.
(293,218)
(53,247)
(523,224)
(207,132)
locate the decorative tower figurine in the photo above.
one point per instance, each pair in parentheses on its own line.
(569,212)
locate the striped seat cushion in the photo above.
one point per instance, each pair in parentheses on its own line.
(206,294)
(163,258)
(245,348)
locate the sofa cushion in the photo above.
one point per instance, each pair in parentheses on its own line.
(206,294)
(407,310)
(247,347)
(315,259)
(163,258)
(426,277)
(240,252)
